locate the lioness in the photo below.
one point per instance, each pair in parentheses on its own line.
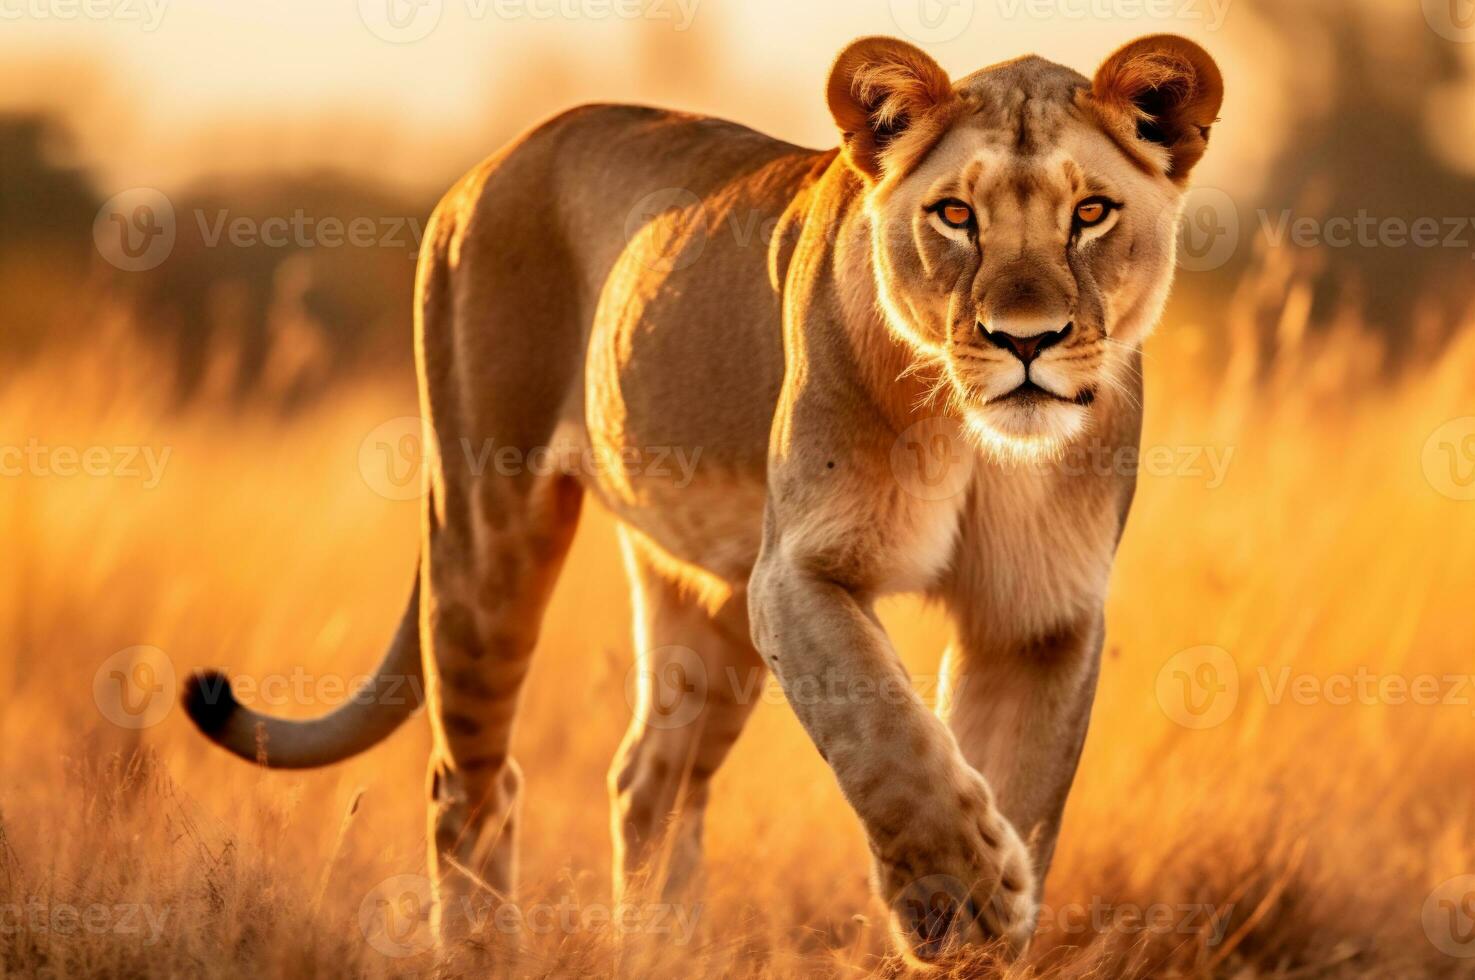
(885,359)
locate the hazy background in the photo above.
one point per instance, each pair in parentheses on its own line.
(1302,527)
(369,109)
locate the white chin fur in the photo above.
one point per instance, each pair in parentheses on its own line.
(1026,430)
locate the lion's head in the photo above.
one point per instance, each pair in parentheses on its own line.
(1023,219)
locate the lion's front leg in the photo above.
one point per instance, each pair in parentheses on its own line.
(1019,709)
(950,866)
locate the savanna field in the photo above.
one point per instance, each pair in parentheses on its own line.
(1277,783)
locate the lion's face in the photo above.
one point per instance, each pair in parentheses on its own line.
(1024,245)
(1026,275)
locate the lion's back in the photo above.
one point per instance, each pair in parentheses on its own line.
(618,258)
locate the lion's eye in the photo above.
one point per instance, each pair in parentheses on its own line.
(955,214)
(1093,211)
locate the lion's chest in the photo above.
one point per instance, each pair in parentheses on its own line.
(1036,550)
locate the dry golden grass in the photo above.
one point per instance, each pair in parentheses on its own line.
(1316,832)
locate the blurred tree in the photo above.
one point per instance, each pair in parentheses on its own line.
(42,199)
(1364,156)
(313,270)
(46,212)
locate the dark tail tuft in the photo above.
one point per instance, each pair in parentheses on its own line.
(209,700)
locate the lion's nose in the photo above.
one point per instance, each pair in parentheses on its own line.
(1026,348)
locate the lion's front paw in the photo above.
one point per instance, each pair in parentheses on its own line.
(956,877)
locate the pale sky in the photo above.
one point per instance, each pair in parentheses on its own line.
(419,89)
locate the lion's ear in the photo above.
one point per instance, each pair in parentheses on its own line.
(1158,96)
(888,98)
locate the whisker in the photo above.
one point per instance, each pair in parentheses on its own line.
(1128,348)
(1116,385)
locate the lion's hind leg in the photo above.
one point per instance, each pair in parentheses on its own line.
(482,619)
(697,680)
(500,357)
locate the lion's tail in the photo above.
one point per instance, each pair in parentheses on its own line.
(370,714)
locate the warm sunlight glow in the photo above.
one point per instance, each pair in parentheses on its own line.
(216,431)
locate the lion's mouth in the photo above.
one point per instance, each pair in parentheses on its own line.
(1029,393)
